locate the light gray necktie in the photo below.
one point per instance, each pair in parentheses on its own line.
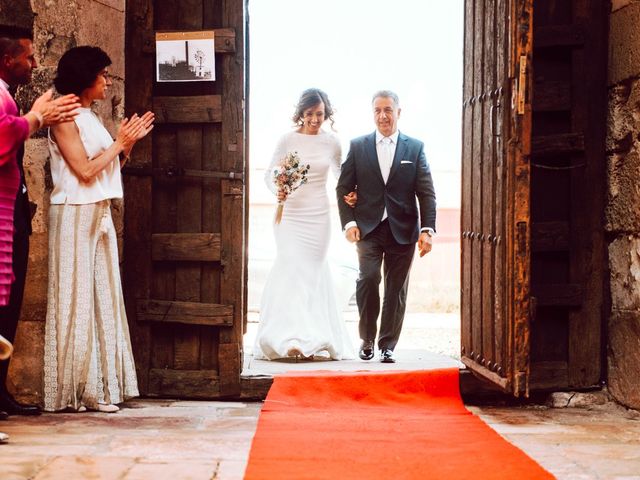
(385,158)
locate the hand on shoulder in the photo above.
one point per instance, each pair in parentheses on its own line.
(55,111)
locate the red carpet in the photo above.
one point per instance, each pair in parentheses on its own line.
(383,425)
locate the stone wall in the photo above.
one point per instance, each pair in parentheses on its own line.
(623,206)
(58,25)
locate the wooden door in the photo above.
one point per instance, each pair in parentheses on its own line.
(495,222)
(568,193)
(184,261)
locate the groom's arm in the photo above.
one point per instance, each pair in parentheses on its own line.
(425,192)
(346,184)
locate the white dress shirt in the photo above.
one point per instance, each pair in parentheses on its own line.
(386,150)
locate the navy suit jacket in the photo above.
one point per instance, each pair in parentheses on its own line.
(408,187)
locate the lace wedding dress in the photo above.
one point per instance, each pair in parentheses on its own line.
(298,310)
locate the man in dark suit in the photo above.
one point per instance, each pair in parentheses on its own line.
(389,172)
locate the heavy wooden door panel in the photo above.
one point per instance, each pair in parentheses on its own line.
(185,207)
(568,172)
(533,253)
(495,191)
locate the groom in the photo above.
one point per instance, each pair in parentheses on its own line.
(389,171)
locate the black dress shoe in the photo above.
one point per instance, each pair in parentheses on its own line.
(12,407)
(3,415)
(386,356)
(366,350)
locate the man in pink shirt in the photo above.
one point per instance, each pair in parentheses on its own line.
(17,62)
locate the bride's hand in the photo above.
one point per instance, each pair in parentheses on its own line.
(353,234)
(281,196)
(351,199)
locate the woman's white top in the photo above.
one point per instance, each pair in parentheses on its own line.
(67,187)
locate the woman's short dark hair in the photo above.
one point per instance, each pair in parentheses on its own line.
(78,69)
(309,99)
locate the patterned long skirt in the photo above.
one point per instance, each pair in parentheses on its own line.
(88,358)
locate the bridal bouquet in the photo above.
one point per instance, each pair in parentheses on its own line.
(288,176)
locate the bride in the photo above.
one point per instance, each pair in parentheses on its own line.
(299,315)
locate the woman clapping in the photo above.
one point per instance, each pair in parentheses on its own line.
(88,358)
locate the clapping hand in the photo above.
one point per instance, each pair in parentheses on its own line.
(134,128)
(147,124)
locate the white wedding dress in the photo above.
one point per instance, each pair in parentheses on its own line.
(298,309)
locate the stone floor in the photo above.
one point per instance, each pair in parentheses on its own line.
(599,442)
(176,440)
(149,440)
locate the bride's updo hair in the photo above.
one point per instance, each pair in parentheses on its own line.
(309,99)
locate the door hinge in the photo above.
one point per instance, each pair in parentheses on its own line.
(533,308)
(522,85)
(174,172)
(521,384)
(521,239)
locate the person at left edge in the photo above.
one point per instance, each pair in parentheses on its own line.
(17,62)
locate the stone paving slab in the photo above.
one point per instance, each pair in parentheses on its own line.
(21,467)
(172,470)
(602,442)
(86,468)
(148,439)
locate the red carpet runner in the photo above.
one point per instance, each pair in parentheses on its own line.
(370,426)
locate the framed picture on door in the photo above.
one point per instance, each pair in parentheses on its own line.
(185,56)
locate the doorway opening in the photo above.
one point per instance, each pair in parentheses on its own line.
(350,50)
